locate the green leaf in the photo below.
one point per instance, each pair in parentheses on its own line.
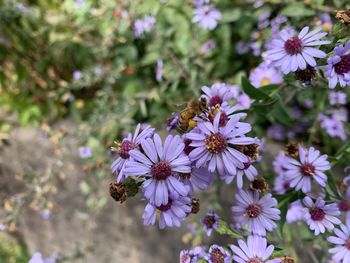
(230,15)
(253,92)
(281,114)
(224,229)
(297,9)
(132,186)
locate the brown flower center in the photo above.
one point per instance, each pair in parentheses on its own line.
(343,66)
(307,169)
(253,210)
(317,214)
(161,170)
(293,46)
(215,143)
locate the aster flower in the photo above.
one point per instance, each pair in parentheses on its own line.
(130,142)
(159,164)
(207,16)
(310,166)
(218,94)
(333,124)
(198,178)
(295,212)
(264,75)
(258,213)
(210,222)
(277,132)
(320,216)
(338,68)
(192,255)
(170,214)
(159,70)
(85,152)
(144,25)
(242,47)
(341,240)
(254,251)
(207,46)
(212,145)
(218,254)
(290,52)
(337,98)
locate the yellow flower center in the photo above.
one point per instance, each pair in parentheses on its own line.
(265,81)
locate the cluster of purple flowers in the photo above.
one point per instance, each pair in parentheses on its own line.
(254,250)
(170,171)
(143,25)
(334,121)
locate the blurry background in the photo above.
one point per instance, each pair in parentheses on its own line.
(77,75)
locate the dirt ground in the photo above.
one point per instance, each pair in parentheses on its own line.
(119,235)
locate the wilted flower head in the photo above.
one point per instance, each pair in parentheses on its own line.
(258,213)
(254,251)
(320,216)
(207,16)
(291,52)
(159,164)
(338,68)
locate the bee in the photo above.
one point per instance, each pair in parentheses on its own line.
(194,108)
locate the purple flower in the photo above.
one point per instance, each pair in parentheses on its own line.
(309,166)
(218,254)
(77,75)
(207,46)
(218,94)
(130,142)
(290,52)
(263,20)
(85,152)
(254,251)
(258,214)
(159,164)
(242,47)
(159,70)
(198,178)
(210,222)
(338,68)
(144,25)
(207,16)
(212,146)
(191,256)
(79,3)
(243,101)
(38,258)
(334,124)
(265,75)
(249,171)
(320,216)
(277,132)
(295,212)
(341,240)
(173,122)
(337,98)
(170,214)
